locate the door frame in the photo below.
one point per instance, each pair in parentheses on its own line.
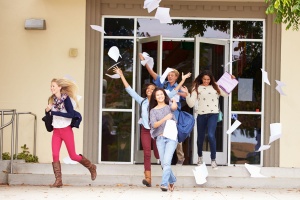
(138,154)
(222,157)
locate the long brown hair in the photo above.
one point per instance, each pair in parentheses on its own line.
(198,81)
(153,101)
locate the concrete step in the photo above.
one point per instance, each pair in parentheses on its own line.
(128,174)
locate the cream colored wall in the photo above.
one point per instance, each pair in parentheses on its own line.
(31,58)
(289,104)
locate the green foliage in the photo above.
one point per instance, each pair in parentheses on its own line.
(286,11)
(24,155)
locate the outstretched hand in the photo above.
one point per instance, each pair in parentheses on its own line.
(188,75)
(117,70)
(184,89)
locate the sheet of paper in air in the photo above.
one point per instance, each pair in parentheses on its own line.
(176,96)
(114,76)
(229,63)
(278,87)
(114,53)
(98,28)
(275,130)
(200,174)
(113,66)
(165,74)
(245,89)
(78,97)
(265,77)
(148,60)
(67,160)
(233,126)
(151,5)
(170,130)
(263,147)
(226,83)
(254,171)
(163,15)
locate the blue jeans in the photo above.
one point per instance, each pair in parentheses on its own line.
(207,122)
(166,148)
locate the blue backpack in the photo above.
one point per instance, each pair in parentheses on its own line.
(185,125)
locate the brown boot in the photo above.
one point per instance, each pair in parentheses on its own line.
(147,180)
(57,173)
(91,167)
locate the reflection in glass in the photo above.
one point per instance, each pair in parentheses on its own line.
(247,68)
(115,96)
(116,137)
(246,139)
(184,28)
(248,29)
(118,27)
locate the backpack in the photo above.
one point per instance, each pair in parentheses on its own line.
(185,125)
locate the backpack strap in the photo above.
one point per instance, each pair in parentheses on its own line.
(141,106)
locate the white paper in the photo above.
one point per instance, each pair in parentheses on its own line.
(67,160)
(200,173)
(265,76)
(278,87)
(226,83)
(233,126)
(170,130)
(151,5)
(176,96)
(98,28)
(148,60)
(263,147)
(114,53)
(165,74)
(163,15)
(114,76)
(229,63)
(113,66)
(275,130)
(254,171)
(79,97)
(245,89)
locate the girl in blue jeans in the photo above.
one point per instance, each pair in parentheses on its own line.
(161,109)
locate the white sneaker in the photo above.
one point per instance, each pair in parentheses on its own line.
(200,161)
(214,164)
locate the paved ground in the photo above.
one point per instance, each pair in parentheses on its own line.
(120,192)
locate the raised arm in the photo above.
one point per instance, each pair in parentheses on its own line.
(184,77)
(149,69)
(117,70)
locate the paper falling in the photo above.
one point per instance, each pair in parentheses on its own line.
(98,28)
(200,174)
(254,171)
(114,53)
(265,76)
(263,147)
(275,130)
(151,5)
(67,160)
(163,15)
(233,126)
(229,63)
(114,76)
(278,87)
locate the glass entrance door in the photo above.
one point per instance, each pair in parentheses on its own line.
(211,54)
(152,46)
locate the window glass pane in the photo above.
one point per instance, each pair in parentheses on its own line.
(246,139)
(111,98)
(116,136)
(247,66)
(184,28)
(248,29)
(118,27)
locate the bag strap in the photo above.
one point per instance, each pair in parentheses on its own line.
(141,106)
